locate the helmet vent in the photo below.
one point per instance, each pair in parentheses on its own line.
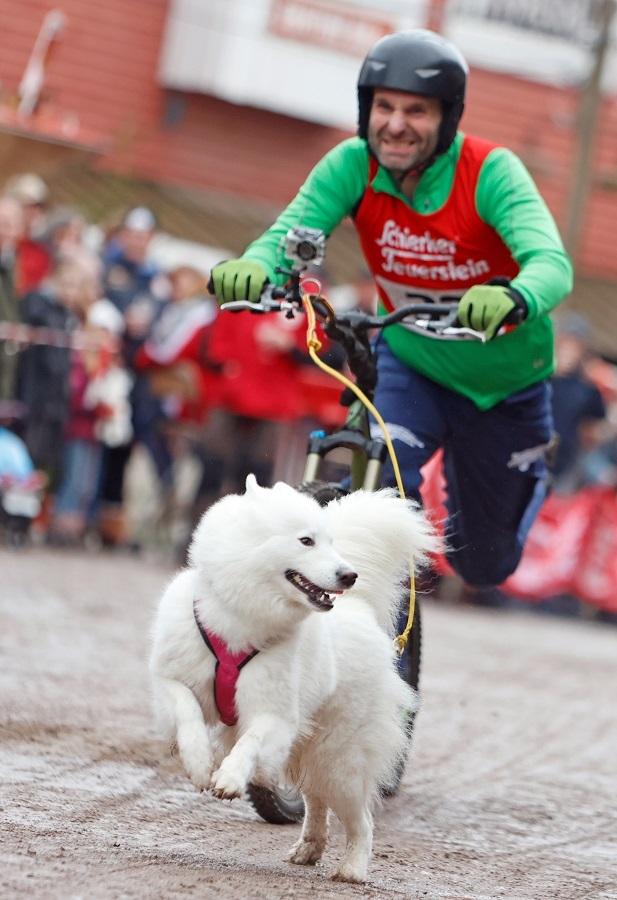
(427,73)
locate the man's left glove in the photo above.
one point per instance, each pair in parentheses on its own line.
(486,307)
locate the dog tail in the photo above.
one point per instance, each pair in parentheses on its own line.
(381,536)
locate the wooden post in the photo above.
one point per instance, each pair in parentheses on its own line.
(591,99)
(435,15)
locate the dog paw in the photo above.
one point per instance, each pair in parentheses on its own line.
(305,853)
(198,767)
(200,773)
(350,874)
(227,785)
(196,756)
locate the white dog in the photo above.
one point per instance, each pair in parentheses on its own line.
(306,683)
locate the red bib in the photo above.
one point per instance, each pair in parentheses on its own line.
(436,257)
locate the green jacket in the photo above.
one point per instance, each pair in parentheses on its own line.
(507,200)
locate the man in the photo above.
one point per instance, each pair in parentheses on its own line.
(137,289)
(33,261)
(443,216)
(130,278)
(579,412)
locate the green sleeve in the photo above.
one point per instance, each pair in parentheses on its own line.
(329,194)
(509,201)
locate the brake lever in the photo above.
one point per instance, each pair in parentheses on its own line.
(452,330)
(243,305)
(460,329)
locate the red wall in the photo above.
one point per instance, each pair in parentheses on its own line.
(103,65)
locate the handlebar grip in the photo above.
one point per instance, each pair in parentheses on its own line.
(515,317)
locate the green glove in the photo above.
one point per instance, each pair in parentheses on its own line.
(237,279)
(485,307)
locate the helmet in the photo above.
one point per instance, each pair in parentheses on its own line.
(419,62)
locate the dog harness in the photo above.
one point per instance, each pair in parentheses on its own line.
(226,671)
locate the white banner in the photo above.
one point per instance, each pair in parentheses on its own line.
(573,20)
(302,57)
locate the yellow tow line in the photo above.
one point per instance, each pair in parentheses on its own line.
(314,345)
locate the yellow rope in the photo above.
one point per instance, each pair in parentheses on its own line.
(314,345)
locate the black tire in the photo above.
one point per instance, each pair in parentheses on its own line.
(414,651)
(322,491)
(411,673)
(279,806)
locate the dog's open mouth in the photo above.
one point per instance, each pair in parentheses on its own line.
(320,598)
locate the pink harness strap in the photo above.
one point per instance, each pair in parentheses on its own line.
(226,672)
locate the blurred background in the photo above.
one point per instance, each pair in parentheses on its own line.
(142,142)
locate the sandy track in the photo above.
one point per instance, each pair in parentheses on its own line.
(511,792)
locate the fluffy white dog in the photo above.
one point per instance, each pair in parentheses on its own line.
(306,682)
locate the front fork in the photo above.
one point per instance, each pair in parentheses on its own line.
(368,454)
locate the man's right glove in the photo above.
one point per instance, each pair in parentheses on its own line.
(238,279)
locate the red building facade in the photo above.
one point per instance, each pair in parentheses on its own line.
(101,91)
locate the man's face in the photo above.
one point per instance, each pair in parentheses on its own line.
(403,129)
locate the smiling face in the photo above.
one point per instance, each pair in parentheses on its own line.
(403,129)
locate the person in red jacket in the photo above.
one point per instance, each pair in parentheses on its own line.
(177,353)
(33,259)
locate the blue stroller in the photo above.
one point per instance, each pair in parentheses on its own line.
(21,486)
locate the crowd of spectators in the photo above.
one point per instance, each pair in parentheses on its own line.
(135,356)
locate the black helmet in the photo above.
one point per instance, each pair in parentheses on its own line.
(419,62)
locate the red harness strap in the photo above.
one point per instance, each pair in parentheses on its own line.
(226,671)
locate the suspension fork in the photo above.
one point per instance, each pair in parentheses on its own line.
(368,454)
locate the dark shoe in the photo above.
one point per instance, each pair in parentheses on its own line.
(488,597)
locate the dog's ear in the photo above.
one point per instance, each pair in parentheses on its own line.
(251,484)
(282,487)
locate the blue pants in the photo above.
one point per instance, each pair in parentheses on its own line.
(80,477)
(494,462)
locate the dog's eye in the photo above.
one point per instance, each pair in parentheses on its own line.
(307,541)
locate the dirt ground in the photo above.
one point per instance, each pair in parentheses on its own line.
(510,792)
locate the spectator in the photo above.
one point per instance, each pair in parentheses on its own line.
(65,233)
(137,288)
(578,408)
(21,486)
(33,260)
(599,465)
(43,372)
(130,278)
(176,358)
(176,354)
(261,357)
(32,193)
(99,416)
(11,231)
(110,388)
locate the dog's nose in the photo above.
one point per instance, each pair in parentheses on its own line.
(346,578)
